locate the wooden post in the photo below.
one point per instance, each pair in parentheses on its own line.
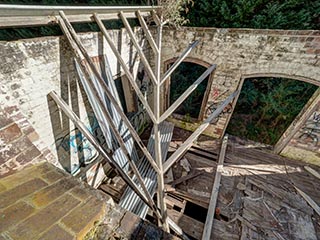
(215,190)
(157,145)
(188,143)
(183,97)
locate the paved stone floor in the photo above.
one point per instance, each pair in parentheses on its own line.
(44,202)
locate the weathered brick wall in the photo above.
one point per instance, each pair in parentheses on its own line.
(243,53)
(19,143)
(31,68)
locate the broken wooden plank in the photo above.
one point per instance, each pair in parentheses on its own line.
(198,200)
(309,200)
(193,227)
(185,178)
(312,171)
(215,190)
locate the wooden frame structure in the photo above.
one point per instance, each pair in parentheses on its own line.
(14,15)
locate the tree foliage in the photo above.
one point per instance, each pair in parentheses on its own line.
(267,106)
(276,14)
(172,11)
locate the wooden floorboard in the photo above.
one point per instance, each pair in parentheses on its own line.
(257,198)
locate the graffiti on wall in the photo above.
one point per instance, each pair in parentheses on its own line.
(74,149)
(311,129)
(213,106)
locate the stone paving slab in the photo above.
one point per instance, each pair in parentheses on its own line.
(44,202)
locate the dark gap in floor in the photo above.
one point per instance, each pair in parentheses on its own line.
(196,212)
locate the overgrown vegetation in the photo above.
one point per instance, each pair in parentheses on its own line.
(267,106)
(275,14)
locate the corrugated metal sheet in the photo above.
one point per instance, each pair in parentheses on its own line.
(111,141)
(130,199)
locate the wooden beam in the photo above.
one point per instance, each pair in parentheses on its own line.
(312,171)
(184,96)
(79,48)
(215,190)
(185,178)
(45,10)
(147,32)
(33,21)
(138,48)
(125,68)
(188,143)
(298,122)
(36,15)
(178,61)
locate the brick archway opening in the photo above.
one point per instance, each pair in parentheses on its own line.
(180,80)
(267,105)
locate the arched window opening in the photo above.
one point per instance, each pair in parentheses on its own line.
(181,79)
(267,106)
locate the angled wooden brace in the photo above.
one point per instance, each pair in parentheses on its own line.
(138,48)
(147,33)
(206,234)
(178,61)
(125,68)
(188,143)
(183,96)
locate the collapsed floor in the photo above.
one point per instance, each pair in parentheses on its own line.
(257,199)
